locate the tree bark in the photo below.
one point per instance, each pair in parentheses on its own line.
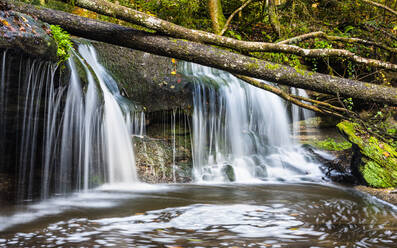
(210,56)
(168,28)
(273,17)
(217,18)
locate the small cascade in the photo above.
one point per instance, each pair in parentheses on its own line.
(241,133)
(299,113)
(116,136)
(66,137)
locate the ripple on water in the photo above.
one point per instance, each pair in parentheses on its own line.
(327,222)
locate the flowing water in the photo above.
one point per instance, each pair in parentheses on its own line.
(234,215)
(240,133)
(67,137)
(299,113)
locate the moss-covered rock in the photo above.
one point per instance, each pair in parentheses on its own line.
(374,161)
(22,32)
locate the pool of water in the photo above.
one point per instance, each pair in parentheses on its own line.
(181,215)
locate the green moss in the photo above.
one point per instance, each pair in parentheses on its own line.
(379,160)
(62,39)
(331,145)
(272,66)
(300,71)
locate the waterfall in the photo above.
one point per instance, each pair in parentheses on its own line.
(241,133)
(299,113)
(65,136)
(117,138)
(76,135)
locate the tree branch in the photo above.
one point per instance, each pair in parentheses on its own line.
(232,15)
(209,56)
(321,34)
(168,28)
(291,98)
(381,6)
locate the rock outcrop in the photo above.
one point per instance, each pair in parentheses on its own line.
(23,33)
(374,161)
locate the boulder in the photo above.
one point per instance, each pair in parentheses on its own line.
(148,80)
(374,161)
(24,33)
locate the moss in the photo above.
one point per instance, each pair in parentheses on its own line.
(378,164)
(63,41)
(300,71)
(272,66)
(331,145)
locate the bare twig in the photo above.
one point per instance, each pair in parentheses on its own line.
(321,34)
(381,6)
(232,15)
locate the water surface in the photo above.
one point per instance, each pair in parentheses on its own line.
(264,215)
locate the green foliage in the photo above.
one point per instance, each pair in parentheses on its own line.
(331,145)
(322,44)
(188,13)
(62,38)
(378,165)
(348,102)
(234,34)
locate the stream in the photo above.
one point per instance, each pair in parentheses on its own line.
(190,215)
(78,185)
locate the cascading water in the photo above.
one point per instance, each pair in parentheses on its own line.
(241,132)
(299,113)
(69,137)
(117,139)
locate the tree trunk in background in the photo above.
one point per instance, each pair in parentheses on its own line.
(273,17)
(211,56)
(216,14)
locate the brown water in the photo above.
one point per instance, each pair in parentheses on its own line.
(262,215)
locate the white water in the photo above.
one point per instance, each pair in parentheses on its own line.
(299,113)
(117,139)
(237,129)
(68,137)
(238,126)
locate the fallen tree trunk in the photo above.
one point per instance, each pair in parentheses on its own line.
(210,56)
(133,16)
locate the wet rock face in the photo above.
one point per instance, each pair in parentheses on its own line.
(154,83)
(148,80)
(373,161)
(157,161)
(22,32)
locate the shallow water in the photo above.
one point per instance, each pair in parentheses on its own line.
(256,215)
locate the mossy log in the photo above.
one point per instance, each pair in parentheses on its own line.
(211,56)
(374,161)
(164,27)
